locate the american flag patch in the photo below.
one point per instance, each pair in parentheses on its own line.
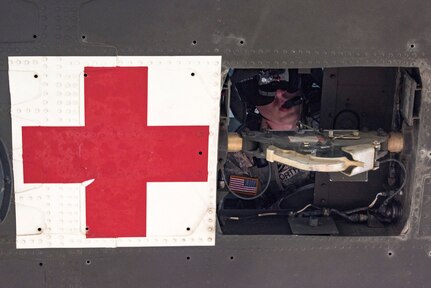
(244,185)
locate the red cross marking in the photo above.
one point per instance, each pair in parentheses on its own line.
(118,149)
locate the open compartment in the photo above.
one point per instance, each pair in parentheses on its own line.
(366,116)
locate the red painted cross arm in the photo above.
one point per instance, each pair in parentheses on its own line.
(118,150)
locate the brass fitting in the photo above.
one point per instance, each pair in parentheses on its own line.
(234,142)
(395,142)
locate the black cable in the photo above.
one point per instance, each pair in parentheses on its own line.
(356,115)
(315,120)
(248,198)
(263,214)
(392,195)
(403,167)
(296,192)
(341,214)
(356,210)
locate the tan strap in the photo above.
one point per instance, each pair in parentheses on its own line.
(309,162)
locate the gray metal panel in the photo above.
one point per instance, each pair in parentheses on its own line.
(425,223)
(275,34)
(18,21)
(181,27)
(359,89)
(22,272)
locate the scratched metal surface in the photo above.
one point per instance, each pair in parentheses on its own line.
(248,33)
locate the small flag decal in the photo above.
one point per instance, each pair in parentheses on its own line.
(244,185)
